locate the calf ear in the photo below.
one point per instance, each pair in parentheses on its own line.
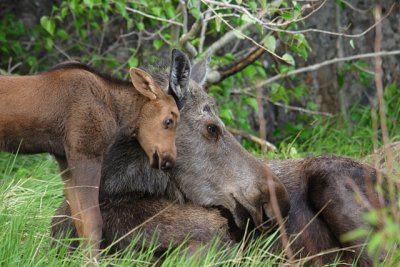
(179,77)
(143,83)
(199,70)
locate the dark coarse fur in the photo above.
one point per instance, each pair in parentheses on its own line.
(74,113)
(170,223)
(323,205)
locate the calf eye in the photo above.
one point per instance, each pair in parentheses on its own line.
(168,123)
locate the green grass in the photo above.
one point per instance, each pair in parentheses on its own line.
(31,190)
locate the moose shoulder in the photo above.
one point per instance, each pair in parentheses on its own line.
(74,113)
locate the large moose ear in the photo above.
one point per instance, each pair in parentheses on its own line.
(179,77)
(199,70)
(143,83)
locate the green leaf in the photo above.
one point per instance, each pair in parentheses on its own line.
(374,242)
(156,11)
(48,43)
(226,114)
(250,71)
(62,34)
(352,43)
(32,61)
(64,12)
(48,24)
(253,6)
(252,102)
(140,26)
(158,43)
(263,3)
(217,23)
(238,2)
(288,59)
(354,234)
(301,50)
(89,3)
(261,71)
(246,18)
(120,5)
(341,4)
(371,217)
(133,62)
(270,43)
(196,13)
(170,11)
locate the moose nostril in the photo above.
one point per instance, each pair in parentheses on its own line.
(269,218)
(166,165)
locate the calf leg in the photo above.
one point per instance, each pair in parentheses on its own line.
(81,184)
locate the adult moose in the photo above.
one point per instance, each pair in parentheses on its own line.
(74,113)
(212,168)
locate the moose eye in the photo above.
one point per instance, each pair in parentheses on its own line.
(168,123)
(213,130)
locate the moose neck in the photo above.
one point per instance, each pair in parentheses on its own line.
(127,173)
(127,105)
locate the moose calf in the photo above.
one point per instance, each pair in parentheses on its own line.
(74,113)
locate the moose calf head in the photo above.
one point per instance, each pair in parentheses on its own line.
(159,116)
(157,121)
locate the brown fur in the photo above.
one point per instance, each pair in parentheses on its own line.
(74,113)
(323,208)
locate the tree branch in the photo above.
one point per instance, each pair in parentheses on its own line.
(185,38)
(153,17)
(253,138)
(325,63)
(382,116)
(312,112)
(232,68)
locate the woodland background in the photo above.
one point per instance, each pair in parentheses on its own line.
(254,45)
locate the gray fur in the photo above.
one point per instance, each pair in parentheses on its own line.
(199,70)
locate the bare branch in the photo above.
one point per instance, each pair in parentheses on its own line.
(259,20)
(232,68)
(190,34)
(274,26)
(382,116)
(253,138)
(325,63)
(303,110)
(238,32)
(227,37)
(261,118)
(153,17)
(203,30)
(182,6)
(334,33)
(363,11)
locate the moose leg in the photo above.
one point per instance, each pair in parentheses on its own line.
(81,185)
(334,194)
